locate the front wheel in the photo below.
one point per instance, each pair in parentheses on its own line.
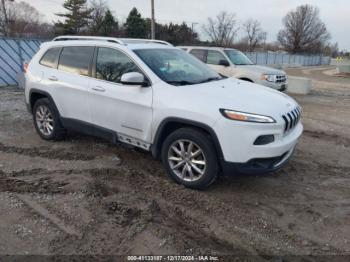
(189,157)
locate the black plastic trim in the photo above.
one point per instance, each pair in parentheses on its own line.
(44,93)
(264,140)
(254,166)
(89,129)
(156,146)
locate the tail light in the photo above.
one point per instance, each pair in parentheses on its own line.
(25,67)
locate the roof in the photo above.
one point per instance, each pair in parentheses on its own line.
(207,47)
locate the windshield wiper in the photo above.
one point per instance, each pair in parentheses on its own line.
(180,83)
(210,79)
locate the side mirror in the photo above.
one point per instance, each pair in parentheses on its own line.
(134,78)
(224,63)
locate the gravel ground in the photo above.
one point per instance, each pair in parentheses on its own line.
(84,196)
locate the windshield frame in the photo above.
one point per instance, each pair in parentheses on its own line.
(228,51)
(197,71)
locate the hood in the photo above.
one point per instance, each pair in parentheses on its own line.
(242,96)
(257,69)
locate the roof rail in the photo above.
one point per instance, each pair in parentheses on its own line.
(92,38)
(143,41)
(121,41)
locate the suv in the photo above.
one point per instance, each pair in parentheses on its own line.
(154,96)
(231,62)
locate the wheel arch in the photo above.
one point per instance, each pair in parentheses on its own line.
(169,125)
(36,94)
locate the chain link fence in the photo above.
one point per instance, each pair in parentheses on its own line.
(284,59)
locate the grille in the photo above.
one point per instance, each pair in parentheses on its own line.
(291,119)
(281,79)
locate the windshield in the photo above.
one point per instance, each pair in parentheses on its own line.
(176,67)
(238,58)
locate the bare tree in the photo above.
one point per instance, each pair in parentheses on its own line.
(331,50)
(223,29)
(304,31)
(254,33)
(99,9)
(4,21)
(23,19)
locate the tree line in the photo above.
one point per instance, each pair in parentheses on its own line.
(303,30)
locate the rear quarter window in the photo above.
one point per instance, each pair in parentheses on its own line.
(50,57)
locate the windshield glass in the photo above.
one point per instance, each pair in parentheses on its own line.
(238,58)
(176,67)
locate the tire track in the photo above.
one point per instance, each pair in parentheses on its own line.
(58,154)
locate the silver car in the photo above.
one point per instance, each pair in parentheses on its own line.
(233,63)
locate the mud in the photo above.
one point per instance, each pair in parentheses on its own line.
(84,196)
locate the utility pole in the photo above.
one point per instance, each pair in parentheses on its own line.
(153,22)
(192,28)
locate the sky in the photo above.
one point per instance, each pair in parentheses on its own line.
(334,13)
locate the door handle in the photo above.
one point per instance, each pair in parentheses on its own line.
(99,89)
(53,78)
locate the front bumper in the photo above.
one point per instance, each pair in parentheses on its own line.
(277,86)
(258,165)
(236,139)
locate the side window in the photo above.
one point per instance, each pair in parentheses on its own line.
(214,57)
(111,64)
(76,59)
(50,58)
(199,53)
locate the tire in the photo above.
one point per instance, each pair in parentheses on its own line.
(47,120)
(195,170)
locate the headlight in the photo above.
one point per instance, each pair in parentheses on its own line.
(246,117)
(270,78)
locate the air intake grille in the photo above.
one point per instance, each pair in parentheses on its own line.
(291,119)
(281,79)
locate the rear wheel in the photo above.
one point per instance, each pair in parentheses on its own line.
(190,159)
(46,120)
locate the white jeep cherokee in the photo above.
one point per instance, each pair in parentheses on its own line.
(157,97)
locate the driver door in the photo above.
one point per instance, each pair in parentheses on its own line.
(215,59)
(125,109)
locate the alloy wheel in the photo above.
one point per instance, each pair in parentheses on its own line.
(187,160)
(44,120)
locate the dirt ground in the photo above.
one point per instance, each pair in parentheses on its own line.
(84,196)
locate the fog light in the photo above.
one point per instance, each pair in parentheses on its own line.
(264,140)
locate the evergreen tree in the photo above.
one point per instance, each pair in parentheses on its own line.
(77,17)
(109,25)
(135,25)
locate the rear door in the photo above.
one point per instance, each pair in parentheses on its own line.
(125,109)
(70,82)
